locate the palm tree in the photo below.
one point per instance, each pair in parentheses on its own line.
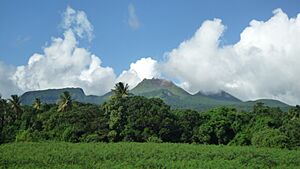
(15,104)
(65,102)
(37,105)
(121,90)
(2,113)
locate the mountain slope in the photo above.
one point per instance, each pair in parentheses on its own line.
(50,96)
(222,95)
(177,97)
(248,105)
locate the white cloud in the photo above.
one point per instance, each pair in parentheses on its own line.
(64,64)
(141,69)
(7,85)
(78,22)
(133,20)
(263,64)
(194,62)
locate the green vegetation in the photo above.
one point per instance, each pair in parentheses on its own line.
(126,117)
(142,155)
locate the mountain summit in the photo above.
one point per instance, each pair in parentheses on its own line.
(154,84)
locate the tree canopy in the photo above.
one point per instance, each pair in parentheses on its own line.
(127,117)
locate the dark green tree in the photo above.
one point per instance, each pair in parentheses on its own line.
(189,121)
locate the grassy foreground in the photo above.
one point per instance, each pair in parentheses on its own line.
(142,155)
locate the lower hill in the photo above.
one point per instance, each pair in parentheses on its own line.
(172,94)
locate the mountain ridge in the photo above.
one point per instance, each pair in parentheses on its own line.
(172,94)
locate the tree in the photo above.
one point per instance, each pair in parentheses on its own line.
(189,121)
(37,105)
(121,90)
(65,102)
(15,104)
(294,112)
(260,108)
(2,116)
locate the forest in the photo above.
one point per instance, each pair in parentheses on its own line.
(129,118)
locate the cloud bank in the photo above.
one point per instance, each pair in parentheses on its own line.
(263,64)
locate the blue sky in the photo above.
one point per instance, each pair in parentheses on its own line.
(27,25)
(247,48)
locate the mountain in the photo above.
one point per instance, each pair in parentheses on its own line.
(248,105)
(50,96)
(221,95)
(177,97)
(172,94)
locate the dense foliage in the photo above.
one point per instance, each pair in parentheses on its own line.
(126,117)
(142,155)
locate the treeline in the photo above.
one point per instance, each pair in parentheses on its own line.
(126,117)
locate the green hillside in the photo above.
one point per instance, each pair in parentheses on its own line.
(248,105)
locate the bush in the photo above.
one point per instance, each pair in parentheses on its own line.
(23,135)
(88,138)
(71,135)
(270,138)
(154,139)
(112,136)
(241,139)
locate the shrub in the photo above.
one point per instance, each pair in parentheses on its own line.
(270,138)
(154,139)
(23,135)
(90,138)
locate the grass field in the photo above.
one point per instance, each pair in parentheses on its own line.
(142,155)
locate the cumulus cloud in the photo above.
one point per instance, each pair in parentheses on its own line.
(263,64)
(141,69)
(133,20)
(64,64)
(7,85)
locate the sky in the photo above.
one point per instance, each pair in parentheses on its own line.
(247,48)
